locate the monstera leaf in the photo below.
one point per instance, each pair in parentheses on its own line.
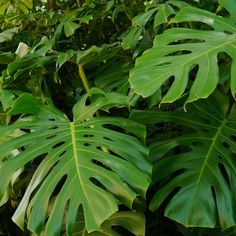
(91,162)
(195,162)
(178,51)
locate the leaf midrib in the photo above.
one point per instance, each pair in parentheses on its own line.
(208,155)
(76,158)
(153,82)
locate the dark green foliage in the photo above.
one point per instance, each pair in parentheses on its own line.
(117,117)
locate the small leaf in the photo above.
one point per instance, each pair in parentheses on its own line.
(142,19)
(164,11)
(70,28)
(64,57)
(8,34)
(109,5)
(132,37)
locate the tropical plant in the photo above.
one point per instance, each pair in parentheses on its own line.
(117,117)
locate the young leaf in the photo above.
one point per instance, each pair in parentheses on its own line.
(70,28)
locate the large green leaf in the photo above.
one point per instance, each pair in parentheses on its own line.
(194,162)
(178,51)
(83,162)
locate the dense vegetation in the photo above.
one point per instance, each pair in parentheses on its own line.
(117,117)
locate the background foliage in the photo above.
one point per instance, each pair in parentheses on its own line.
(117,117)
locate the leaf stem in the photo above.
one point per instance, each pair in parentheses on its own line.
(87,88)
(84,79)
(85,83)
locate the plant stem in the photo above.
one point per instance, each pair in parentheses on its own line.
(84,79)
(85,83)
(87,88)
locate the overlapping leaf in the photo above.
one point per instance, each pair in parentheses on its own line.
(195,163)
(15,6)
(178,51)
(160,13)
(134,222)
(91,163)
(114,78)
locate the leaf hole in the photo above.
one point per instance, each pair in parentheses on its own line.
(97,183)
(167,85)
(225,144)
(111,152)
(227,32)
(122,230)
(52,119)
(62,153)
(59,185)
(88,135)
(58,144)
(39,159)
(163,64)
(179,52)
(176,150)
(224,173)
(25,116)
(54,127)
(207,121)
(213,193)
(114,127)
(169,197)
(233,137)
(205,130)
(87,102)
(176,42)
(88,126)
(87,144)
(198,144)
(25,130)
(50,137)
(101,164)
(107,138)
(192,75)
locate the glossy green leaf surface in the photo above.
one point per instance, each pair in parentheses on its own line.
(196,168)
(114,78)
(96,166)
(179,51)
